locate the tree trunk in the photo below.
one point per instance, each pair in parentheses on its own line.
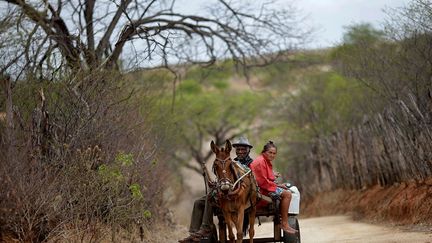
(9,139)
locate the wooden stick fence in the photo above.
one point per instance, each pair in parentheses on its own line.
(391,147)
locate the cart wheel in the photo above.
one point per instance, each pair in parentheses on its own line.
(290,238)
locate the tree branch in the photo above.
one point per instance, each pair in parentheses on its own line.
(103,43)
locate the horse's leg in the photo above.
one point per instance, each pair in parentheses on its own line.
(229,221)
(222,229)
(252,214)
(239,224)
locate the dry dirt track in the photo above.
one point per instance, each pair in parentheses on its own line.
(343,229)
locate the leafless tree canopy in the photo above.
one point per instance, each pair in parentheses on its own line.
(92,34)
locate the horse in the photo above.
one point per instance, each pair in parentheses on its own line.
(236,189)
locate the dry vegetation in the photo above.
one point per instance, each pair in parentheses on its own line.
(392,147)
(84,153)
(79,168)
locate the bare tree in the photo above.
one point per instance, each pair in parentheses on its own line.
(91,34)
(9,55)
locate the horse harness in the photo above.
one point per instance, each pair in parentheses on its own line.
(226,184)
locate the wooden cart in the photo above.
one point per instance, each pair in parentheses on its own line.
(271,210)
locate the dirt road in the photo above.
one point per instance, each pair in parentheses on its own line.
(343,229)
(313,230)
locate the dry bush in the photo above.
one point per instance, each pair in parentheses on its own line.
(82,161)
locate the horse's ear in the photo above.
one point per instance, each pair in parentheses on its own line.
(213,147)
(228,146)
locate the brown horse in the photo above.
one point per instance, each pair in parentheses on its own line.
(236,189)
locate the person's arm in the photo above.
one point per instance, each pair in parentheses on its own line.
(282,186)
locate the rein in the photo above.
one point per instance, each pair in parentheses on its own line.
(239,179)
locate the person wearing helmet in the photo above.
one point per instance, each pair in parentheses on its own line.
(202,213)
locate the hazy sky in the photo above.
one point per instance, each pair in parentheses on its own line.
(330,16)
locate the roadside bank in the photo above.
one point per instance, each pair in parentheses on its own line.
(407,203)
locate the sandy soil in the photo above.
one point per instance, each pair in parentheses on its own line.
(343,229)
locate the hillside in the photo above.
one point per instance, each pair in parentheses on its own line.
(314,111)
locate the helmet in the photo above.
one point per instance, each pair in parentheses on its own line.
(242,141)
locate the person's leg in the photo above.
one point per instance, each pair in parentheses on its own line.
(284,206)
(207,221)
(198,213)
(196,219)
(208,216)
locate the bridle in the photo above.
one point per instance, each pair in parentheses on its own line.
(223,182)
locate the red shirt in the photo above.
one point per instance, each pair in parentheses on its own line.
(263,171)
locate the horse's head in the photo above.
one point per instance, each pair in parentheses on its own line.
(223,166)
